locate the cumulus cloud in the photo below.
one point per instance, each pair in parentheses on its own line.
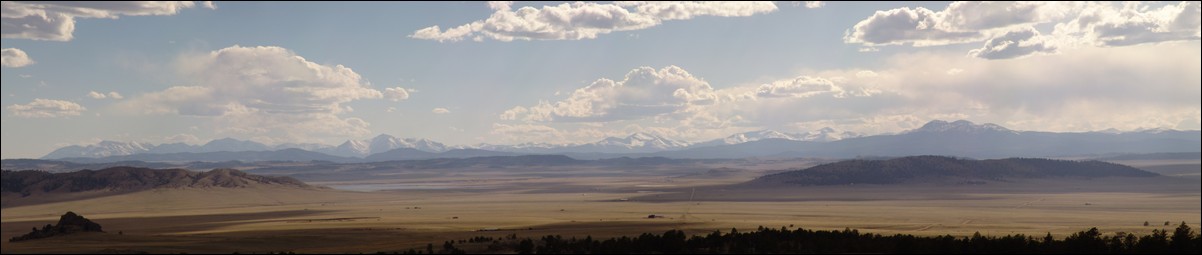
(583,20)
(1006,27)
(14,58)
(960,22)
(1079,89)
(440,111)
(918,27)
(644,92)
(396,94)
(55,21)
(265,91)
(112,95)
(800,87)
(1014,44)
(46,108)
(814,4)
(1133,23)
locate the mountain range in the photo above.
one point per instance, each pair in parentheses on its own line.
(634,143)
(961,139)
(958,138)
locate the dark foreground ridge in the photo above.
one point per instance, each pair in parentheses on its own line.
(128,179)
(22,188)
(69,223)
(938,168)
(801,241)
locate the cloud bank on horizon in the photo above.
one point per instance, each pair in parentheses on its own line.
(1079,66)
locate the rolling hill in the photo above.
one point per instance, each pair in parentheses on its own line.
(936,168)
(22,187)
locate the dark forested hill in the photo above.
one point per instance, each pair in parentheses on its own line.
(933,168)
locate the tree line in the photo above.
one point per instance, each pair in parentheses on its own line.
(1183,240)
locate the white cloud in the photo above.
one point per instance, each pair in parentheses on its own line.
(396,94)
(55,21)
(583,20)
(440,111)
(1014,44)
(14,58)
(265,91)
(814,4)
(1090,88)
(1085,87)
(1007,27)
(46,108)
(960,22)
(800,87)
(643,92)
(98,95)
(904,25)
(1133,23)
(684,10)
(500,5)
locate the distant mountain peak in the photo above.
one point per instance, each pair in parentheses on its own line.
(383,137)
(962,126)
(642,136)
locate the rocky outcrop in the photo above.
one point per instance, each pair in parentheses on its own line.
(69,223)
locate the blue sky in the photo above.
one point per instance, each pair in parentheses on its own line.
(696,71)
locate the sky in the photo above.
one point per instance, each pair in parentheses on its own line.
(466,73)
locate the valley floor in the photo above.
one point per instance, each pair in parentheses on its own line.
(460,206)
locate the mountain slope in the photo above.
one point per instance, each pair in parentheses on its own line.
(936,168)
(22,187)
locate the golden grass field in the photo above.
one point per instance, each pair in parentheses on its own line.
(312,221)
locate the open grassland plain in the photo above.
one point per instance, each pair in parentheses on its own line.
(409,211)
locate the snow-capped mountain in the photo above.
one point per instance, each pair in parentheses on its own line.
(113,148)
(826,135)
(521,147)
(960,126)
(384,143)
(822,135)
(960,138)
(230,144)
(756,136)
(634,143)
(380,144)
(101,149)
(747,137)
(350,148)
